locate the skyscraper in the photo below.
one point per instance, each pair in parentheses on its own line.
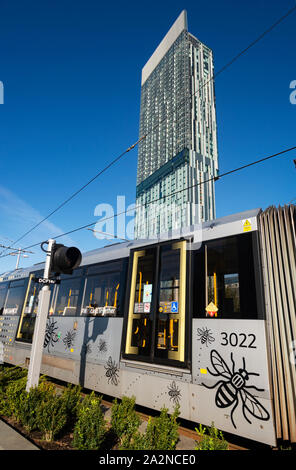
(178,126)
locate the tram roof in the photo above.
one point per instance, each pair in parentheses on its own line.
(216,228)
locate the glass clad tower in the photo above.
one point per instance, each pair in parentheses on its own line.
(179,148)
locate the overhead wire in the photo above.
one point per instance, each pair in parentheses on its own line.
(214,178)
(115,160)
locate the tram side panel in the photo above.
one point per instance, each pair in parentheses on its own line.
(229,347)
(86,349)
(230,370)
(221,358)
(12,292)
(91,344)
(76,343)
(8,330)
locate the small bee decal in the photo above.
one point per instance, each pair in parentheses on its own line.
(86,348)
(102,346)
(69,339)
(205,336)
(112,371)
(174,393)
(51,336)
(234,387)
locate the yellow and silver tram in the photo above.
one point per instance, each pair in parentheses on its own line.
(204,318)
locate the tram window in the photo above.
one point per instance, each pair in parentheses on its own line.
(76,273)
(15,298)
(141,320)
(167,340)
(102,295)
(230,290)
(67,297)
(145,278)
(169,275)
(156,318)
(3,292)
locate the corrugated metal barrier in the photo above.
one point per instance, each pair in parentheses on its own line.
(278,245)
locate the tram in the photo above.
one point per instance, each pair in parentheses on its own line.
(203,318)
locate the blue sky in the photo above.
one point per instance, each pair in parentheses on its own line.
(71,72)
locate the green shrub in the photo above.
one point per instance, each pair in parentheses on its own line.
(14,392)
(124,419)
(72,397)
(135,441)
(30,401)
(9,374)
(210,439)
(4,405)
(51,413)
(161,433)
(90,427)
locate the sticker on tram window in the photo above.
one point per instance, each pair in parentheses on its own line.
(139,307)
(212,310)
(165,307)
(100,311)
(147,293)
(174,307)
(168,307)
(109,310)
(10,311)
(240,340)
(247,226)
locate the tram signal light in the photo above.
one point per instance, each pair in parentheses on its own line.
(64,259)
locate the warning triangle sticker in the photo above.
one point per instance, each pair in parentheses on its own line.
(212,309)
(247,226)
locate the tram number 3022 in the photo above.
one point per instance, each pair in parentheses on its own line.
(240,340)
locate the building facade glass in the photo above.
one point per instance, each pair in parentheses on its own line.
(179,136)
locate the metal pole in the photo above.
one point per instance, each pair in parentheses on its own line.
(40,326)
(18,258)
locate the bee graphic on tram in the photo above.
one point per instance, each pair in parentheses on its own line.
(51,337)
(69,339)
(112,371)
(174,393)
(204,336)
(229,391)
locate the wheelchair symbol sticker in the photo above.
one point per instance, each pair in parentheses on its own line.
(174,307)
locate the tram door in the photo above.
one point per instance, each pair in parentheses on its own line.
(156,317)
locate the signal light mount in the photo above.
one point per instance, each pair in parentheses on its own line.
(63,259)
